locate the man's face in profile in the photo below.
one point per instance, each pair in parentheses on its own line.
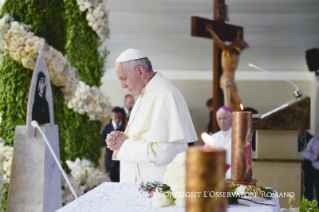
(41,86)
(129,79)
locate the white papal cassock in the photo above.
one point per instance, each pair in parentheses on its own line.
(160,127)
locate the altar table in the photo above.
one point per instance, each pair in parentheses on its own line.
(125,197)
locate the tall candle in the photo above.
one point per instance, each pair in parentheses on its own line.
(205,176)
(241,162)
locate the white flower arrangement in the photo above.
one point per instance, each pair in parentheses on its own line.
(240,190)
(85,174)
(87,100)
(1,5)
(84,177)
(97,16)
(6,153)
(172,190)
(175,177)
(23,46)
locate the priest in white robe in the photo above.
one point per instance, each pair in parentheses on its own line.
(160,125)
(223,138)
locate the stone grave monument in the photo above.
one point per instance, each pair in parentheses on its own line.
(35,183)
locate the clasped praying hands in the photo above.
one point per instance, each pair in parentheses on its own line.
(115,139)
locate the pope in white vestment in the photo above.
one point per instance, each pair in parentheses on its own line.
(159,128)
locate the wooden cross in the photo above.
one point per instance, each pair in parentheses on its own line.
(226,32)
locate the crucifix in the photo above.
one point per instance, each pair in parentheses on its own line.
(220,31)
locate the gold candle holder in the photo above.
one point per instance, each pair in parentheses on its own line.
(241,161)
(205,179)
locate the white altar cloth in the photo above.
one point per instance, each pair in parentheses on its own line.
(125,197)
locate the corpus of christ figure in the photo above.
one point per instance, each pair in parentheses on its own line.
(229,63)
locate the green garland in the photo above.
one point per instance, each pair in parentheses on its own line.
(82,45)
(82,52)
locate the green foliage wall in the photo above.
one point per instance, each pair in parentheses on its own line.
(82,52)
(81,45)
(65,28)
(14,90)
(14,78)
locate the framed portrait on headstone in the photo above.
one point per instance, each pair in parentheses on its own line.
(40,102)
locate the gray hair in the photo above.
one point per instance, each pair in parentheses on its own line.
(221,110)
(133,64)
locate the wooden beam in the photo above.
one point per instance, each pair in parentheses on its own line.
(226,32)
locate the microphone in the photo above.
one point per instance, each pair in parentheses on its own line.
(36,125)
(297,93)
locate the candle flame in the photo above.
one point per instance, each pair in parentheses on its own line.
(241,106)
(208,140)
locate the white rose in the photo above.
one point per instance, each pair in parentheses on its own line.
(87,5)
(99,21)
(95,26)
(96,13)
(159,199)
(21,41)
(82,8)
(9,172)
(99,110)
(29,35)
(70,105)
(89,17)
(101,13)
(6,166)
(84,96)
(90,24)
(14,24)
(39,45)
(57,67)
(29,42)
(92,117)
(240,190)
(101,30)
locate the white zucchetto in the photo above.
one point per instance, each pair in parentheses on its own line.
(130,54)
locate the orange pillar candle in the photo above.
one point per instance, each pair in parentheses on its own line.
(205,178)
(241,161)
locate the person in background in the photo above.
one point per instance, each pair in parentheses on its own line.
(209,105)
(223,138)
(128,105)
(311,153)
(303,139)
(116,123)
